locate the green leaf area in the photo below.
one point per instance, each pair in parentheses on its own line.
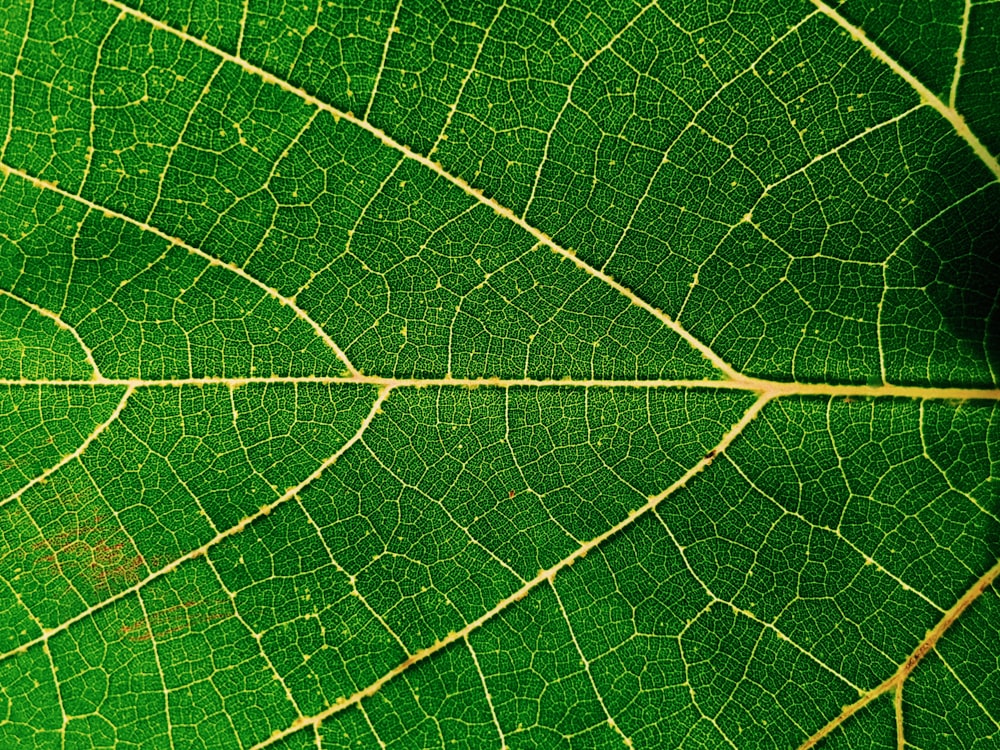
(499,375)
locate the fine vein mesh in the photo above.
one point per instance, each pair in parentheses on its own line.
(497,375)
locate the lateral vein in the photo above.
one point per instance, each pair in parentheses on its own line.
(97,376)
(895,683)
(75,454)
(270,291)
(203,549)
(542,577)
(947,112)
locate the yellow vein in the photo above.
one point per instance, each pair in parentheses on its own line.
(949,113)
(270,291)
(569,100)
(15,72)
(489,696)
(770,388)
(542,577)
(203,549)
(826,154)
(833,531)
(443,135)
(988,712)
(626,740)
(782,636)
(41,478)
(437,169)
(153,641)
(393,28)
(97,376)
(960,53)
(897,705)
(243,26)
(716,599)
(895,683)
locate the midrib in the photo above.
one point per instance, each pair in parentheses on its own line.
(733,379)
(768,388)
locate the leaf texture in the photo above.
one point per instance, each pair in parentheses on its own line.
(424,374)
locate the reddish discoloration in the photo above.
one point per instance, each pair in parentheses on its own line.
(103,563)
(919,654)
(176,619)
(126,571)
(68,537)
(72,500)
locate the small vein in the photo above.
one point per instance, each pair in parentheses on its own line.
(972,695)
(486,692)
(351,580)
(75,454)
(15,72)
(443,135)
(371,727)
(960,53)
(835,532)
(627,741)
(64,326)
(465,531)
(179,141)
(243,26)
(270,291)
(569,100)
(921,430)
(385,54)
(897,707)
(275,675)
(159,668)
(715,599)
(93,102)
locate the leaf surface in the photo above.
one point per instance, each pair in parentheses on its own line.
(499,375)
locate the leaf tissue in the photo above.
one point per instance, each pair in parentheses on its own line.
(499,374)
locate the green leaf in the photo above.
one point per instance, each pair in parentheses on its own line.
(499,375)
